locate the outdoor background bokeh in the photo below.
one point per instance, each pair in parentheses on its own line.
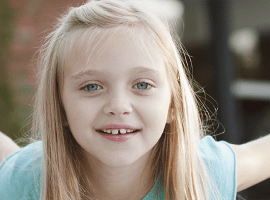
(244,60)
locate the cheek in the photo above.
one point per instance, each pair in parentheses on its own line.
(155,112)
(80,114)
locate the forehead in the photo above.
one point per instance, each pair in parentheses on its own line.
(102,47)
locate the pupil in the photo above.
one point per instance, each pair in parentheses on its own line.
(92,87)
(142,86)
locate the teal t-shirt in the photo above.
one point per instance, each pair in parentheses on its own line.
(220,160)
(20,173)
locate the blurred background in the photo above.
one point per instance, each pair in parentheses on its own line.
(229,45)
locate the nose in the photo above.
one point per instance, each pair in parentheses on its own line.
(117,103)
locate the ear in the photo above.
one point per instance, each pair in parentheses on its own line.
(65,124)
(170,116)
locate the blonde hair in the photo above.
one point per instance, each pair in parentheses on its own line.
(177,152)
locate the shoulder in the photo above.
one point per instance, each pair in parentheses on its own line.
(211,149)
(20,173)
(220,160)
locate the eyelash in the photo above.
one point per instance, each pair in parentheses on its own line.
(84,87)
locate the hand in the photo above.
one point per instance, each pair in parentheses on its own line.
(7,146)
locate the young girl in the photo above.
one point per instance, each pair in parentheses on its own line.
(118,119)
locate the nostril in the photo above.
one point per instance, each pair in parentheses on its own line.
(125,113)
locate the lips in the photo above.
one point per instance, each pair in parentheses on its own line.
(118,132)
(117,129)
(117,126)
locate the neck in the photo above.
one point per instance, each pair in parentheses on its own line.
(131,182)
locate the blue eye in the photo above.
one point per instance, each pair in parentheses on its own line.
(91,87)
(142,86)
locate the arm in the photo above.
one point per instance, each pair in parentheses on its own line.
(253,162)
(7,147)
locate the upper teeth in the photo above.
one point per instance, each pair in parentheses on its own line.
(116,131)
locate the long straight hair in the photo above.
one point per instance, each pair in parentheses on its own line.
(177,152)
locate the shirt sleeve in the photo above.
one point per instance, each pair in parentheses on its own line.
(20,174)
(220,160)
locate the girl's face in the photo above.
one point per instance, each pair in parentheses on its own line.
(121,86)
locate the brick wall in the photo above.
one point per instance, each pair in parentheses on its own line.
(33,19)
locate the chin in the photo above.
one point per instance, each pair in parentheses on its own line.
(120,160)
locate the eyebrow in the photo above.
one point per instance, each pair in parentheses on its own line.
(94,72)
(145,69)
(89,72)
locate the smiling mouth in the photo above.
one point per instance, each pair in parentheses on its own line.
(117,131)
